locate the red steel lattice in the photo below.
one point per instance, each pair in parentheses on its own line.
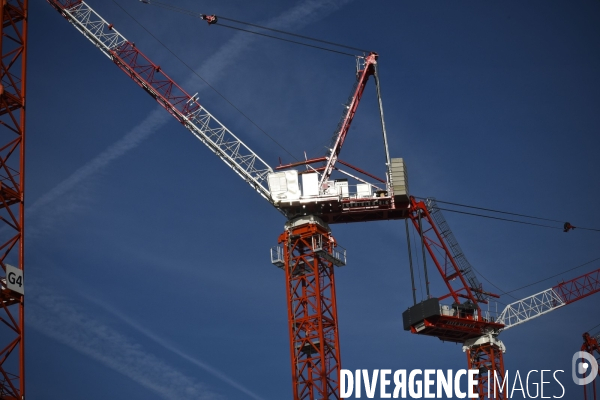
(579,288)
(489,360)
(312,312)
(13,47)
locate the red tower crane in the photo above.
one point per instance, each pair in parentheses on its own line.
(307,250)
(465,322)
(13,48)
(591,345)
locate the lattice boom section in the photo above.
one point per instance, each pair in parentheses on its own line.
(253,169)
(91,25)
(530,307)
(580,287)
(168,94)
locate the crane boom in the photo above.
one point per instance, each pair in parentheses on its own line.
(185,108)
(550,299)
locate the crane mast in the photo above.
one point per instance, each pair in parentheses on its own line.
(13,78)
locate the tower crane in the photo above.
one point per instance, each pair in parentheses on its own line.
(307,251)
(465,322)
(312,200)
(591,344)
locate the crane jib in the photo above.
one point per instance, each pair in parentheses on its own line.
(185,108)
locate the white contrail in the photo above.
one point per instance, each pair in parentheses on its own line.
(169,346)
(59,319)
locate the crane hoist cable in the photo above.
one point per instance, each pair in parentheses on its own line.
(213,20)
(565,227)
(497,211)
(499,218)
(205,81)
(592,328)
(554,276)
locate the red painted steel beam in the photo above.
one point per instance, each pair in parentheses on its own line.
(299,163)
(361,171)
(148,75)
(579,288)
(13,61)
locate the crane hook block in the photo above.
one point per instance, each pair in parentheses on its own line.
(567,227)
(211,19)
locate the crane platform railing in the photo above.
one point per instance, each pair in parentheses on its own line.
(334,254)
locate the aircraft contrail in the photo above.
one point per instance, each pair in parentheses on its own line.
(169,346)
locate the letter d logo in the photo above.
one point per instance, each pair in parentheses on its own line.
(587,365)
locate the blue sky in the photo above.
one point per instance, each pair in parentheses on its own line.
(147,259)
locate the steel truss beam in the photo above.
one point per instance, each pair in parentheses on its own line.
(13,50)
(579,288)
(185,108)
(591,344)
(529,308)
(309,258)
(550,299)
